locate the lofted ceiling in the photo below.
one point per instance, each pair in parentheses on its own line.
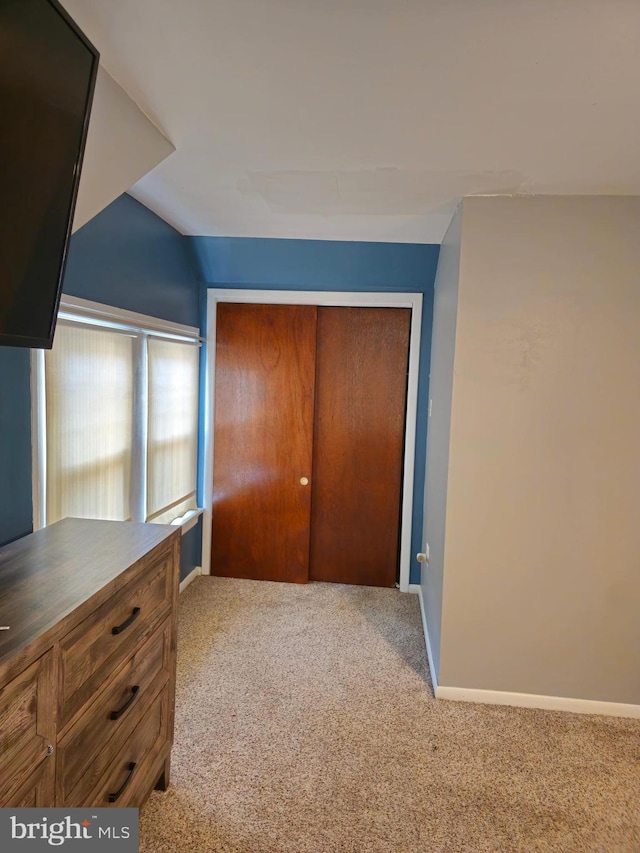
(369,119)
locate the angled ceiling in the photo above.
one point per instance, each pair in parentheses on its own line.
(368,119)
(122,146)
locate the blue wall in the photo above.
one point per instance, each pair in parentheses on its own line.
(15,444)
(128,257)
(191,554)
(125,256)
(247,263)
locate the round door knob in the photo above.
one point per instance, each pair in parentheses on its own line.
(304,481)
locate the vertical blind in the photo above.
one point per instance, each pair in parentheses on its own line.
(89,424)
(121,425)
(172,439)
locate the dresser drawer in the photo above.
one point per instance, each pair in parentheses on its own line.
(99,644)
(110,779)
(71,722)
(27,727)
(125,697)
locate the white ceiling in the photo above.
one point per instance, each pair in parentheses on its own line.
(368,119)
(122,146)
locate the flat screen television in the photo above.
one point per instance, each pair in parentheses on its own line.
(47,76)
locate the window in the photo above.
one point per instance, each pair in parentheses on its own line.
(116,409)
(171,438)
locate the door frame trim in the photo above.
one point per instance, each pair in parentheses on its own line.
(321,298)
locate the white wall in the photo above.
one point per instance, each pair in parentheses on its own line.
(440,389)
(542,548)
(122,146)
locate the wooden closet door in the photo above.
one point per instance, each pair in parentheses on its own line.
(361,380)
(264,397)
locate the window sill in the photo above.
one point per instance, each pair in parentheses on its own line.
(187,521)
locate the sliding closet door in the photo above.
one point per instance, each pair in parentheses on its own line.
(264,396)
(361,380)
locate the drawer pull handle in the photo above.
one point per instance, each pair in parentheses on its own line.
(114,797)
(120,628)
(114,715)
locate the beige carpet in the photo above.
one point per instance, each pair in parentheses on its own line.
(306,723)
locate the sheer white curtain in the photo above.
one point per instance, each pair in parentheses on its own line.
(89,424)
(172,431)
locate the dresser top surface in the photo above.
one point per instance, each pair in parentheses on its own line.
(50,573)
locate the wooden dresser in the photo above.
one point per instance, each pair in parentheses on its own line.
(87,667)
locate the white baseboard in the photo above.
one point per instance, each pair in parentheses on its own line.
(531,700)
(191,576)
(518,700)
(427,642)
(414,588)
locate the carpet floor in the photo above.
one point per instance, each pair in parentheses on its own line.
(306,723)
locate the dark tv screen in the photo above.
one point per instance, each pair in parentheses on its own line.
(47,76)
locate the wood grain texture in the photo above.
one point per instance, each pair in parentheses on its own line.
(90,652)
(27,727)
(110,769)
(48,575)
(120,565)
(361,379)
(148,669)
(36,791)
(264,392)
(29,798)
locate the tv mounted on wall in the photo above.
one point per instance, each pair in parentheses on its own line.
(47,76)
